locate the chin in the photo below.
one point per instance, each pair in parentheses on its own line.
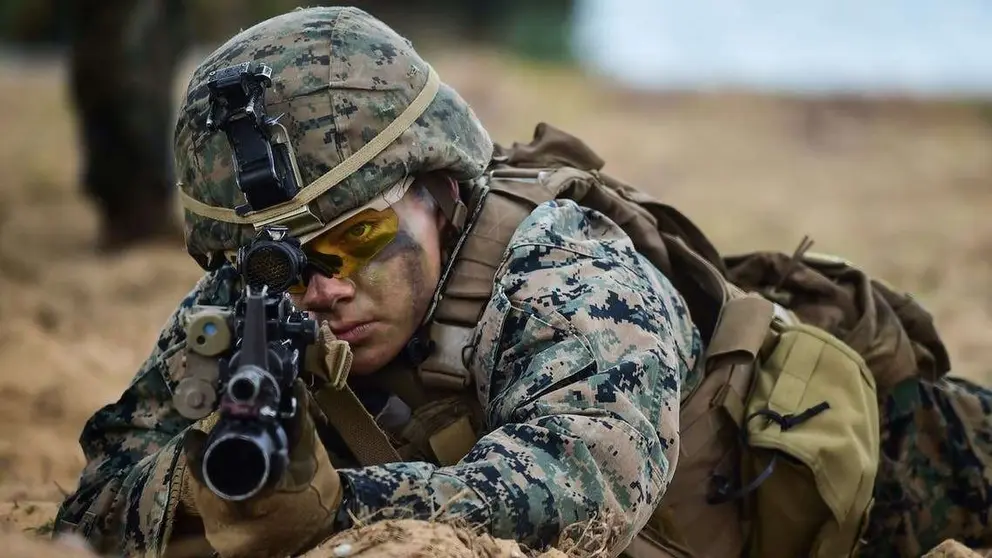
(359,368)
(370,359)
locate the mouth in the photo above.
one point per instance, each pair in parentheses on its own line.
(352,332)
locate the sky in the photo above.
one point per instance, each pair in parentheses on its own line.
(924,47)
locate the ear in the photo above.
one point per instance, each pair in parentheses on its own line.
(452,190)
(453,184)
(441,190)
(439,219)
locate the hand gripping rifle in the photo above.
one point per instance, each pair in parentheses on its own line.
(248,383)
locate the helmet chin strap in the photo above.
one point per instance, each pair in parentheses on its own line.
(445,194)
(460,218)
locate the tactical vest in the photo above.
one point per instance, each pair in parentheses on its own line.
(779,442)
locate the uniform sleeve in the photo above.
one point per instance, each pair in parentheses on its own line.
(934,480)
(579,362)
(131,449)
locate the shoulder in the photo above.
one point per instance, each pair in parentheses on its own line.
(571,277)
(578,319)
(134,425)
(564,225)
(566,248)
(216,288)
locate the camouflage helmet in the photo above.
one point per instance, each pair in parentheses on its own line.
(359,108)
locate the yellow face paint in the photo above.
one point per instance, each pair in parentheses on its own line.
(350,245)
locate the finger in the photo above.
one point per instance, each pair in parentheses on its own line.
(193,444)
(301,426)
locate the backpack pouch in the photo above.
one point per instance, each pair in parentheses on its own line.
(812,447)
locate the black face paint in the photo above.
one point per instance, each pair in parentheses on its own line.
(412,256)
(402,243)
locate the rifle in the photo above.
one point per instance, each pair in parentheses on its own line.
(242,364)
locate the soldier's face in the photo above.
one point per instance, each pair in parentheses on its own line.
(377,308)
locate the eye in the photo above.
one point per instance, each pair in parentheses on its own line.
(358,231)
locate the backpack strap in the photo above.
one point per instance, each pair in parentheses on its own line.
(443,423)
(330,360)
(357,427)
(709,451)
(510,196)
(744,328)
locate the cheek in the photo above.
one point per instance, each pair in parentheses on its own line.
(427,236)
(390,275)
(412,259)
(432,253)
(382,275)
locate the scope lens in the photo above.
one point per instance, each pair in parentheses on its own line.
(271,265)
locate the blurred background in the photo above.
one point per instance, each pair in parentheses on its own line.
(867,126)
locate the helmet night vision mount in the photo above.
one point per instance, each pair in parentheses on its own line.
(264,162)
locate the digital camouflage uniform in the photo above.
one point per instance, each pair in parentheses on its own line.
(583,347)
(580,359)
(935,474)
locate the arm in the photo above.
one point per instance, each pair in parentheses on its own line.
(579,361)
(131,447)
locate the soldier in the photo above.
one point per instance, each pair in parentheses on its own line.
(123,63)
(524,364)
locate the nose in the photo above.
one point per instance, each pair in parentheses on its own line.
(323,292)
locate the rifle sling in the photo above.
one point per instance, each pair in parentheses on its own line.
(357,428)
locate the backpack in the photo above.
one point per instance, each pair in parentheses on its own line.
(780,440)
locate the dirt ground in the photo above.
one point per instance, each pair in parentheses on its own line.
(903,188)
